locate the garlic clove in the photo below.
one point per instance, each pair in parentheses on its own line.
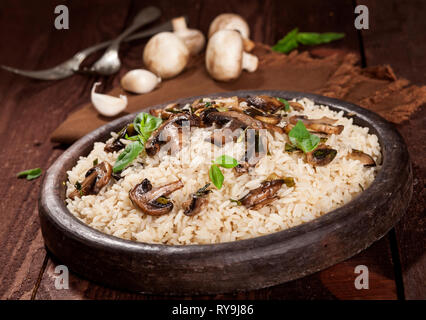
(140,81)
(106,105)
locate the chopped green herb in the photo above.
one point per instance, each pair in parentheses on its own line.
(216,176)
(286,104)
(290,148)
(313,38)
(95,162)
(163,200)
(238,202)
(323,139)
(129,154)
(207,104)
(289,182)
(300,137)
(226,161)
(78,186)
(30,174)
(294,38)
(144,124)
(288,43)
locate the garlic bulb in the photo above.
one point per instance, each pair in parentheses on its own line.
(139,81)
(106,105)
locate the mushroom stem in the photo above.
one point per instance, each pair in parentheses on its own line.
(179,24)
(250,62)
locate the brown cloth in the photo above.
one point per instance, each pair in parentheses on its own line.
(336,75)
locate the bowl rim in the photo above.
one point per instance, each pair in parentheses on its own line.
(65,220)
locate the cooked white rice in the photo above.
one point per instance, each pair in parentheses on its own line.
(317,190)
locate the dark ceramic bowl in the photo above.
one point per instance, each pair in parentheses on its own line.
(240,265)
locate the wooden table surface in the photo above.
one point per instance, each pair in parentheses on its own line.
(31,110)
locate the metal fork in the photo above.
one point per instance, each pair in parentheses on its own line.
(69,67)
(110,63)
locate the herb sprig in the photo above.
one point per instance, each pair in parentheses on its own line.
(144,124)
(30,174)
(292,39)
(216,176)
(301,138)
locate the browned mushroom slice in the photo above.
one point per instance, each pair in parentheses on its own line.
(154,201)
(116,144)
(266,103)
(160,113)
(197,202)
(169,130)
(228,103)
(240,119)
(296,106)
(262,195)
(323,125)
(273,120)
(364,158)
(95,179)
(241,168)
(321,156)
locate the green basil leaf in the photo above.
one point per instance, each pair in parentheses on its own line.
(129,154)
(30,174)
(286,104)
(288,43)
(294,38)
(145,124)
(302,138)
(313,38)
(216,176)
(226,161)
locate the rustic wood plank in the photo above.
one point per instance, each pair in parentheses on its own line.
(395,37)
(30,111)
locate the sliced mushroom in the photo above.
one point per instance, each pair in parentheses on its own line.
(197,201)
(262,195)
(364,158)
(154,201)
(241,119)
(323,125)
(116,144)
(296,106)
(95,179)
(241,168)
(321,156)
(265,103)
(255,149)
(170,130)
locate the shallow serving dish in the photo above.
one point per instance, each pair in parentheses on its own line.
(240,265)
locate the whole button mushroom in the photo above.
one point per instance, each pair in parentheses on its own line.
(225,58)
(166,55)
(232,21)
(193,39)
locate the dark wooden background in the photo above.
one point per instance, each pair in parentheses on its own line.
(31,110)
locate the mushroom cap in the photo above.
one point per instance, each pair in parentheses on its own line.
(166,55)
(230,21)
(224,55)
(139,81)
(193,39)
